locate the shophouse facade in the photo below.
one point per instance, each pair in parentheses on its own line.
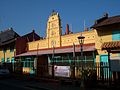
(7,45)
(22,47)
(107,44)
(7,48)
(12,44)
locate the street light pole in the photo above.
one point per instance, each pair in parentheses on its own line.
(81,42)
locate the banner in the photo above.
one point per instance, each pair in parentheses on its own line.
(62,71)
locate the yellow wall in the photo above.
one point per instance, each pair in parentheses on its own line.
(66,40)
(1,54)
(8,54)
(69,39)
(101,37)
(104,35)
(40,44)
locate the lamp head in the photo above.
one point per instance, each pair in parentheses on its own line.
(81,39)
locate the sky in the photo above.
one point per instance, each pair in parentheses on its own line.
(25,15)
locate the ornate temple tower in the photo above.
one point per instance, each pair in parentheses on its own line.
(53,32)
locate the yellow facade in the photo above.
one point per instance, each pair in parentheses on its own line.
(7,55)
(55,38)
(103,35)
(68,40)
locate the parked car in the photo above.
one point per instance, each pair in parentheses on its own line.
(4,72)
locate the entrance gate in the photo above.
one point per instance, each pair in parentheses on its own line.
(74,63)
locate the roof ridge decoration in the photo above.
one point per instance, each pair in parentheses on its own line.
(54,13)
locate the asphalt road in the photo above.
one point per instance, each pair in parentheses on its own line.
(11,87)
(18,84)
(13,84)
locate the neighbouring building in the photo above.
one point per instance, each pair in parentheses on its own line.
(108,44)
(21,42)
(11,44)
(7,45)
(22,47)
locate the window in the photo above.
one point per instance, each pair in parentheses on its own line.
(28,63)
(12,60)
(104,58)
(116,35)
(2,60)
(8,60)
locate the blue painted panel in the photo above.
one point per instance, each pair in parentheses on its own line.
(12,60)
(105,69)
(116,35)
(8,60)
(32,71)
(3,60)
(103,58)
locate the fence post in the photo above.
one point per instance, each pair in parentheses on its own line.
(109,67)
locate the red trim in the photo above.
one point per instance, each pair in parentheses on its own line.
(58,50)
(90,44)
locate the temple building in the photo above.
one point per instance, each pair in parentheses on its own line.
(60,54)
(59,50)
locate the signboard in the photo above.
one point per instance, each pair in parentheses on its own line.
(62,71)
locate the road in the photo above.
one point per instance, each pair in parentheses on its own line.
(9,87)
(20,84)
(17,84)
(13,84)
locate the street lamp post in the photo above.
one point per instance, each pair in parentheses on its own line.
(81,42)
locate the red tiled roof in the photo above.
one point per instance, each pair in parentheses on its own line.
(111,45)
(66,49)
